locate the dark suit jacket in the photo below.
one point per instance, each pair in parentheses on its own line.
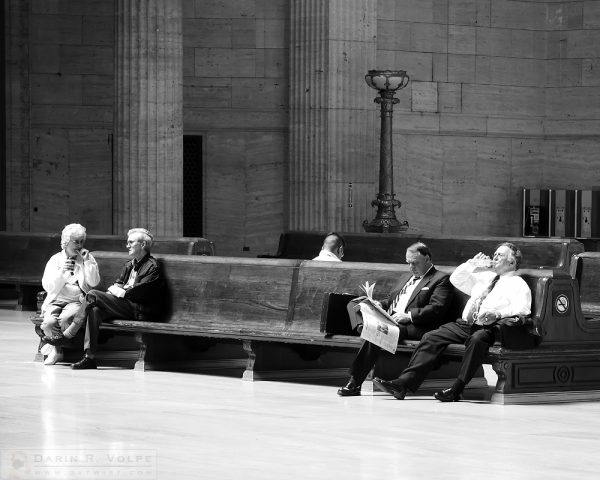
(430,301)
(148,290)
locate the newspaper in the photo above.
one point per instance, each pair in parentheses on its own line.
(378,327)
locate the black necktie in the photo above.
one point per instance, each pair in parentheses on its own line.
(476,305)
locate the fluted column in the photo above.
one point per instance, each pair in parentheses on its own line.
(333,151)
(149,126)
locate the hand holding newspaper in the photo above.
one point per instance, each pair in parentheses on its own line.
(378,327)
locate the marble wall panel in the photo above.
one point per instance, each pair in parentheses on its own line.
(462,39)
(582,43)
(424,96)
(98,30)
(459,177)
(208,119)
(450,97)
(573,102)
(272,8)
(393,35)
(418,176)
(207,33)
(257,93)
(503,100)
(73,7)
(510,71)
(45,58)
(461,124)
(348,206)
(417,122)
(90,178)
(272,63)
(564,73)
(461,68)
(98,90)
(591,14)
(417,65)
(515,126)
(246,32)
(518,14)
(224,62)
(429,37)
(72,115)
(206,92)
(462,12)
(578,128)
(271,33)
(63,30)
(440,67)
(225,8)
(55,89)
(50,175)
(86,60)
(590,72)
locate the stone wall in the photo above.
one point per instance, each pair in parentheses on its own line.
(504,95)
(236,97)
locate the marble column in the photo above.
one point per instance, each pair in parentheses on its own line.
(333,149)
(148,126)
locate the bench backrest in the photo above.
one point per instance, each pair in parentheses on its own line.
(23,256)
(447,250)
(220,293)
(282,298)
(168,245)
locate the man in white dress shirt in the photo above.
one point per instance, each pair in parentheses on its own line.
(332,249)
(497,294)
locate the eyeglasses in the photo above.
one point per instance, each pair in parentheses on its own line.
(131,242)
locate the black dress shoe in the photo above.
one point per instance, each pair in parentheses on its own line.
(56,340)
(447,395)
(349,390)
(86,363)
(398,391)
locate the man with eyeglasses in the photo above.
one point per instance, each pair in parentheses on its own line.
(499,298)
(137,294)
(419,303)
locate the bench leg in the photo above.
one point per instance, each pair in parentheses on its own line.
(140,363)
(277,361)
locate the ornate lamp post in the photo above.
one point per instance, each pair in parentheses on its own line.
(386,82)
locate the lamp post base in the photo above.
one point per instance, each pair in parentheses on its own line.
(385,225)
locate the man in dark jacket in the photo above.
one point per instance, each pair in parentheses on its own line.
(137,294)
(419,303)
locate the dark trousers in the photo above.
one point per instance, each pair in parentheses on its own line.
(476,339)
(369,353)
(103,306)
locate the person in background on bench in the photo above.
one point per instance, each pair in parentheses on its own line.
(136,295)
(68,276)
(497,294)
(333,248)
(419,303)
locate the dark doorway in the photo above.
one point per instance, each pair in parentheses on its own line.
(192,186)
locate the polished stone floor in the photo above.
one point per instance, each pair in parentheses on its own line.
(56,423)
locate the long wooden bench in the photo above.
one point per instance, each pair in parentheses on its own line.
(585,269)
(447,250)
(23,256)
(266,317)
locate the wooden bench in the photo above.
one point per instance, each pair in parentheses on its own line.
(23,257)
(447,250)
(585,269)
(170,245)
(269,319)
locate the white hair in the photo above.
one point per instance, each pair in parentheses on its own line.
(144,235)
(69,231)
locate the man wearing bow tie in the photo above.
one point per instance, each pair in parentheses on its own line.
(497,294)
(418,303)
